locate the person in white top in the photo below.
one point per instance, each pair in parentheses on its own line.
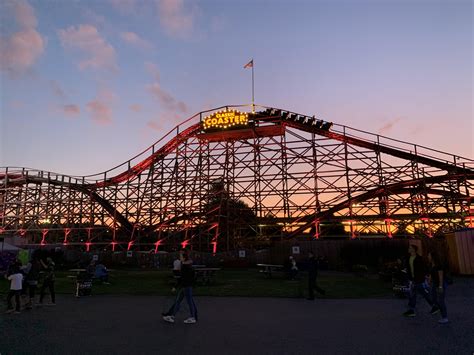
(176,266)
(16,280)
(177,270)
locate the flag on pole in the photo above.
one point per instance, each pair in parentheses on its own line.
(249,65)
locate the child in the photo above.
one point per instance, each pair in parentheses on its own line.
(16,280)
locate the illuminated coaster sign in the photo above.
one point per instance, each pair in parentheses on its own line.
(226,119)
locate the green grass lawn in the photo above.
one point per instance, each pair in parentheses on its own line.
(230,282)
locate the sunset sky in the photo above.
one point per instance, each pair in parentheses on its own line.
(86,85)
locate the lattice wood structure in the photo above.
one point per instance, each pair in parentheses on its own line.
(285,174)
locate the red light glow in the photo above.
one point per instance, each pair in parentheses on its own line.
(44,232)
(88,246)
(66,234)
(157,243)
(388,224)
(214,247)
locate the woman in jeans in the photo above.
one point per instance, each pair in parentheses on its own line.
(438,284)
(185,290)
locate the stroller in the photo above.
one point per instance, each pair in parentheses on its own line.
(83,284)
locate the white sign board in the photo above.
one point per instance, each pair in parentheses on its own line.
(95,257)
(295,250)
(241,253)
(129,254)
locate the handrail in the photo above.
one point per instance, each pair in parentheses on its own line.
(451,159)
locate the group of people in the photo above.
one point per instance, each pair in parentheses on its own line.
(313,268)
(428,279)
(97,271)
(25,280)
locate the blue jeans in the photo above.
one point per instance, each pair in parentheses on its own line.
(182,293)
(418,288)
(438,299)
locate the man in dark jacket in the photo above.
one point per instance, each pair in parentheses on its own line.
(417,272)
(312,275)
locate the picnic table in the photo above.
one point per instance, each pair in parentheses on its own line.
(205,274)
(269,269)
(77,270)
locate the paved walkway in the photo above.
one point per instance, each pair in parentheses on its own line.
(132,325)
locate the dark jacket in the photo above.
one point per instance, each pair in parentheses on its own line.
(187,275)
(419,269)
(312,267)
(437,266)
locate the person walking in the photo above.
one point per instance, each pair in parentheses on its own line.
(16,280)
(293,268)
(185,291)
(438,270)
(32,271)
(417,273)
(48,281)
(312,276)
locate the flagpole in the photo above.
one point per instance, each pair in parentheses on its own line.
(253,97)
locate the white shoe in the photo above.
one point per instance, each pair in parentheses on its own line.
(443,321)
(190,320)
(169,319)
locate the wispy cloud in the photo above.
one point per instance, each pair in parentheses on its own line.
(98,53)
(152,69)
(71,110)
(57,89)
(21,50)
(126,7)
(166,99)
(17,104)
(134,39)
(135,108)
(101,107)
(386,128)
(175,19)
(154,125)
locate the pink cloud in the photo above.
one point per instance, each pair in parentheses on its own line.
(98,53)
(71,110)
(21,50)
(57,90)
(136,40)
(154,125)
(101,113)
(125,7)
(174,18)
(16,104)
(165,98)
(101,107)
(386,128)
(135,108)
(25,15)
(152,69)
